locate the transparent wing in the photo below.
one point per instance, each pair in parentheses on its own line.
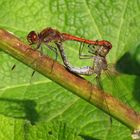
(100,85)
(115,82)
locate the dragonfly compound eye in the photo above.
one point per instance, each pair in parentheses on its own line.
(32,37)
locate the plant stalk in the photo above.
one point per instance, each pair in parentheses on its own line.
(58,73)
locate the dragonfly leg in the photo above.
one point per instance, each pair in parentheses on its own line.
(54,50)
(83,56)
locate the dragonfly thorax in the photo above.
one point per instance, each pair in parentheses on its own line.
(100,64)
(50,35)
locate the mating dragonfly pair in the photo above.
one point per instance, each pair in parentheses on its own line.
(97,50)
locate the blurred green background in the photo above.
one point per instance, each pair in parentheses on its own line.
(37,108)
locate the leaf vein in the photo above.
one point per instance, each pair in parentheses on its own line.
(121,24)
(93,19)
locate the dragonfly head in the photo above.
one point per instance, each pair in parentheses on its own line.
(103,51)
(32,37)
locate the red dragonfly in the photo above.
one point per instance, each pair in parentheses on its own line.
(52,35)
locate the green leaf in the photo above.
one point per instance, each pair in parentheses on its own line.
(22,129)
(32,106)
